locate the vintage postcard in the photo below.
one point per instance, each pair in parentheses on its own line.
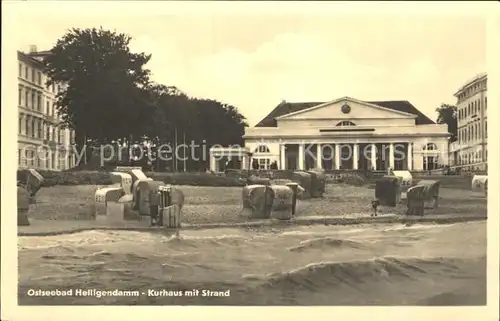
(337,157)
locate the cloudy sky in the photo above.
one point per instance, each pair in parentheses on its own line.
(253,57)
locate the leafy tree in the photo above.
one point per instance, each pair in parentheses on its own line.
(110,98)
(447,114)
(104,98)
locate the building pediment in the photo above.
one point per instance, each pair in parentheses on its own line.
(347,108)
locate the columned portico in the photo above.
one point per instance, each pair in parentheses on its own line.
(349,134)
(359,155)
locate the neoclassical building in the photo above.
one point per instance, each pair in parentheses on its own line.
(41,142)
(471,150)
(347,133)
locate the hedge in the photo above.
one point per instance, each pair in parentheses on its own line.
(231,178)
(52,178)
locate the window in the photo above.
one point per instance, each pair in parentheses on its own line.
(59,134)
(33,73)
(53,134)
(485,128)
(27,72)
(346,123)
(39,102)
(27,126)
(40,129)
(20,124)
(430,162)
(53,88)
(39,78)
(54,161)
(264,163)
(20,96)
(26,97)
(47,132)
(20,73)
(33,98)
(485,103)
(262,149)
(53,109)
(47,106)
(430,146)
(33,128)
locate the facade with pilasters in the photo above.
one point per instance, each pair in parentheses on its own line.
(42,143)
(347,133)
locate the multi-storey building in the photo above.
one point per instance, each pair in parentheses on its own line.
(472,121)
(42,143)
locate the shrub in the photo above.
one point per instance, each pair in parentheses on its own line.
(53,178)
(197,179)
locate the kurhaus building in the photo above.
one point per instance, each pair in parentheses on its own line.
(347,133)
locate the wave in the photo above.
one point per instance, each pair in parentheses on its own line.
(325,242)
(353,274)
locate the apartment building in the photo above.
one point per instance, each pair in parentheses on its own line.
(472,118)
(42,143)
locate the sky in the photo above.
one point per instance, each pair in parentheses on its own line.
(253,59)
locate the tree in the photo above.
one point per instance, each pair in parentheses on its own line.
(110,98)
(104,98)
(447,114)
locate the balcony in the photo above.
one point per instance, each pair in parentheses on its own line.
(50,143)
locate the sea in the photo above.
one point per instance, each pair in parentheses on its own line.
(373,264)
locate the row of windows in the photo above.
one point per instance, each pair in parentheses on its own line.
(473,108)
(35,76)
(31,158)
(473,132)
(472,90)
(472,158)
(33,99)
(264,149)
(34,127)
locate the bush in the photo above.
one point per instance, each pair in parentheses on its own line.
(197,179)
(53,178)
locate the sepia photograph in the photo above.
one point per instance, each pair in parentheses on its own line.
(250,158)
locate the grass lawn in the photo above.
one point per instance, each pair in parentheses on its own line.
(223,204)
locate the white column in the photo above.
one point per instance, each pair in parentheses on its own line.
(409,157)
(319,156)
(374,156)
(212,163)
(337,156)
(391,156)
(301,157)
(282,156)
(244,162)
(355,156)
